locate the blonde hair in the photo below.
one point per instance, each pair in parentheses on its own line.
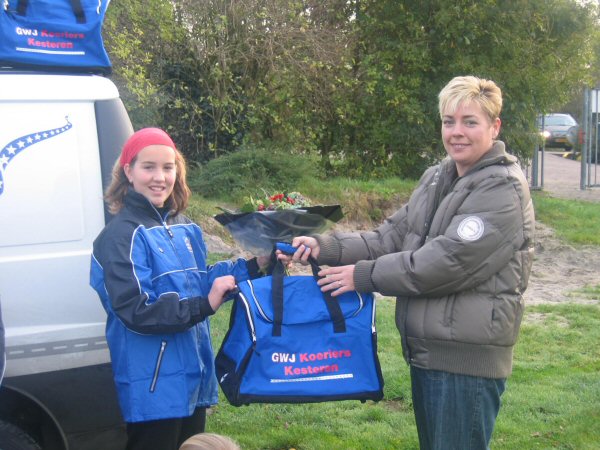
(209,441)
(471,89)
(177,201)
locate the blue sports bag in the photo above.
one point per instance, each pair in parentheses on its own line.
(53,35)
(289,343)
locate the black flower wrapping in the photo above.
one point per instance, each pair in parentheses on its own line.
(258,231)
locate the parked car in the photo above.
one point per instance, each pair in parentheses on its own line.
(559,130)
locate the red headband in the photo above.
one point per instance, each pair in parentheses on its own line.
(142,139)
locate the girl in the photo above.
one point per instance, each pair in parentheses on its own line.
(149,269)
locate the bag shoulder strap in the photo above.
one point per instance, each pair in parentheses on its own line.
(277,296)
(333,306)
(78,10)
(75,4)
(22,7)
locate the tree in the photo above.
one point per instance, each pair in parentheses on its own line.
(134,34)
(168,78)
(355,81)
(538,51)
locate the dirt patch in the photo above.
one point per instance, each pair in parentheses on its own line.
(559,270)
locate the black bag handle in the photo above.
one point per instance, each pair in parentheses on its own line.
(22,7)
(333,306)
(75,4)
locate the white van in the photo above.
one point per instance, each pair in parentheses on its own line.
(59,137)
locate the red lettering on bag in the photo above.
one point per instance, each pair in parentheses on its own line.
(329,354)
(49,44)
(310,370)
(62,34)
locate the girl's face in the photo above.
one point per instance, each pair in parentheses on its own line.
(153,173)
(468,134)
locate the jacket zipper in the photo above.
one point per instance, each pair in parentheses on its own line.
(187,277)
(432,207)
(163,221)
(163,346)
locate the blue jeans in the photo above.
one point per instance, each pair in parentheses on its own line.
(454,412)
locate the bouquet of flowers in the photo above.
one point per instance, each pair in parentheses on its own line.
(262,222)
(276,201)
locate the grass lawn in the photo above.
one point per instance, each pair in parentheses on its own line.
(552,399)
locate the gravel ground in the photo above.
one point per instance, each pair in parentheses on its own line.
(561,178)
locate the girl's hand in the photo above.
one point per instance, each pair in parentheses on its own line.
(219,290)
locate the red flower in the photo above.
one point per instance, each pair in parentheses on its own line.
(275,202)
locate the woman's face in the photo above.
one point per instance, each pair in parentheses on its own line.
(153,172)
(468,134)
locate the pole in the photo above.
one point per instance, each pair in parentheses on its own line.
(585,117)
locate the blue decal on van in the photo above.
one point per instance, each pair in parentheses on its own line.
(15,147)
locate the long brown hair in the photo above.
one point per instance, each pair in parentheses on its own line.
(178,200)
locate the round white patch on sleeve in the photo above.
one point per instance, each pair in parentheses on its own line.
(470,229)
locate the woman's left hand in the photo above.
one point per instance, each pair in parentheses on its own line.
(337,279)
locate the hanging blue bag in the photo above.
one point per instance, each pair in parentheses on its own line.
(64,35)
(288,342)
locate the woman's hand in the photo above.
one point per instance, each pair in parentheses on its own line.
(337,279)
(306,246)
(219,290)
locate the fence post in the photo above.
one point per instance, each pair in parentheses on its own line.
(534,168)
(586,120)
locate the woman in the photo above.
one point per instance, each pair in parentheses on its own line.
(458,258)
(149,269)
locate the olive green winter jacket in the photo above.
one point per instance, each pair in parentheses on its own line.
(458,258)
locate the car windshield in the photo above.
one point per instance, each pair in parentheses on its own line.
(559,120)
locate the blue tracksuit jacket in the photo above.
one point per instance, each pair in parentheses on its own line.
(151,275)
